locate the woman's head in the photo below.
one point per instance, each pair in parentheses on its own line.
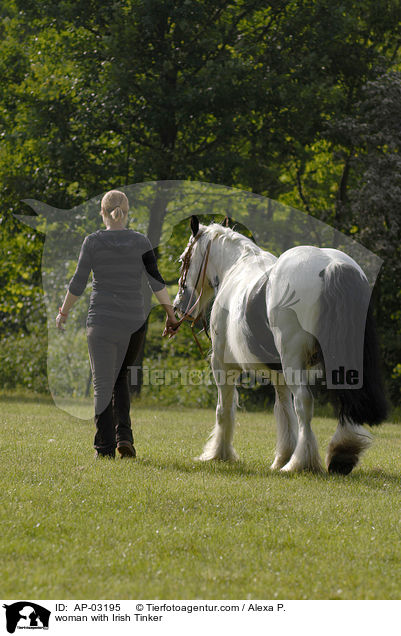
(114,208)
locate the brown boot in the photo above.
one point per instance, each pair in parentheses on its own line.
(126,449)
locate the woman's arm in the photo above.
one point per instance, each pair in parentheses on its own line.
(77,284)
(164,299)
(68,303)
(159,289)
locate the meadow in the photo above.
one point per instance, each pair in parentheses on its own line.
(166,526)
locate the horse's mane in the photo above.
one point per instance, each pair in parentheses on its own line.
(224,235)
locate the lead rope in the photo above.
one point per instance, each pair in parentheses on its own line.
(197,340)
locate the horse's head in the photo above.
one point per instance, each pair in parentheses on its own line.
(195,289)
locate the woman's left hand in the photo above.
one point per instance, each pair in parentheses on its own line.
(60,321)
(171,327)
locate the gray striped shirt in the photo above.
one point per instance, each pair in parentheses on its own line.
(118,259)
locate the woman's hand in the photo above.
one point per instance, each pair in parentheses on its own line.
(60,321)
(171,327)
(64,310)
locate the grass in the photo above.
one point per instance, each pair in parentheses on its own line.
(165,526)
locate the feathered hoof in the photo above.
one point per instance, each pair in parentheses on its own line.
(342,464)
(346,447)
(293,466)
(276,466)
(279,463)
(223,455)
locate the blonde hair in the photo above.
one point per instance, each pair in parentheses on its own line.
(115,205)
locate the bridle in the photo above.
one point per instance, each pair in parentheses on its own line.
(200,277)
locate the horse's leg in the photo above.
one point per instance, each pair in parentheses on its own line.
(286,423)
(293,344)
(306,453)
(219,444)
(346,445)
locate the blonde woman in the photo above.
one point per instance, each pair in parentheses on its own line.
(115,324)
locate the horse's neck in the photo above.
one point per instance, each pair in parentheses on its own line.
(225,256)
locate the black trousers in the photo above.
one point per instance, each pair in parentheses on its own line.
(111,354)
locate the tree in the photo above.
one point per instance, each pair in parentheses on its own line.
(373,202)
(94,95)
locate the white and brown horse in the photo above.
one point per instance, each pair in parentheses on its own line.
(307,310)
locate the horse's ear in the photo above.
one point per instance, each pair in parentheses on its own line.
(194,225)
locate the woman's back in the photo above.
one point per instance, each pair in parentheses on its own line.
(117,259)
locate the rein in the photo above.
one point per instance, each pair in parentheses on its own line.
(187,314)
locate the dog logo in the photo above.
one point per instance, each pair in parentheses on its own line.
(26,615)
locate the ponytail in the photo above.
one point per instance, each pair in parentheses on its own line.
(117,214)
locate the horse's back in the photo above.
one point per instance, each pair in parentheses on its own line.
(304,262)
(295,285)
(296,282)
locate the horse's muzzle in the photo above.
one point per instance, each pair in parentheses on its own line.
(184,302)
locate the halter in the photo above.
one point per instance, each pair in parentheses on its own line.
(201,275)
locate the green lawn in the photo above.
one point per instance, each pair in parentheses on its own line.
(165,526)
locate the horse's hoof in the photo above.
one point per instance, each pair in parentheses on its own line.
(289,469)
(224,455)
(278,464)
(342,465)
(202,458)
(213,458)
(293,467)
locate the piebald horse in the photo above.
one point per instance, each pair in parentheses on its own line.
(306,311)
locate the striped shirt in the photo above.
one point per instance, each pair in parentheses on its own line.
(118,259)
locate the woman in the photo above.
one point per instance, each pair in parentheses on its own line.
(115,324)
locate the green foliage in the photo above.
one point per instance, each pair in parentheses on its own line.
(371,210)
(23,361)
(70,376)
(285,99)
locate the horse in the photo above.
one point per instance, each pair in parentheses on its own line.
(304,315)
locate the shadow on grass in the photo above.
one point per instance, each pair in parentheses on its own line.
(375,478)
(214,467)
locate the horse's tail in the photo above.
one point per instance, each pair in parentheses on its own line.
(347,336)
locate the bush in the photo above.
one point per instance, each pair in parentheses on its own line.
(23,361)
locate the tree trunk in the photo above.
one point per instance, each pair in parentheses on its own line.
(157,214)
